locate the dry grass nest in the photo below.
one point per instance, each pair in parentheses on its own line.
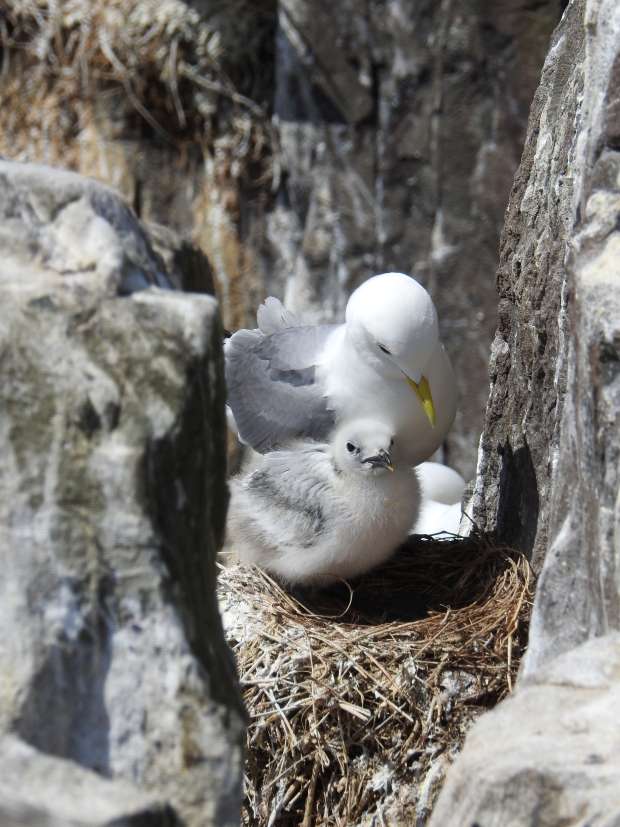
(358,693)
(188,76)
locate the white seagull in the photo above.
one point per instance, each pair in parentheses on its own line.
(288,381)
(318,512)
(442,490)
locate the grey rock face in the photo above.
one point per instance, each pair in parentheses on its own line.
(38,790)
(401,127)
(112,502)
(547,756)
(580,576)
(72,227)
(549,453)
(528,374)
(549,466)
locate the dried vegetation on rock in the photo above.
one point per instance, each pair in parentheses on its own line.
(180,70)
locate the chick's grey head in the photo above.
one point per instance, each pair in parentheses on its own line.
(363,446)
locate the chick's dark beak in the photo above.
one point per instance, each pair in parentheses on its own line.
(381,459)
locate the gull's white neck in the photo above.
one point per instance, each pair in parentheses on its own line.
(351,376)
(342,360)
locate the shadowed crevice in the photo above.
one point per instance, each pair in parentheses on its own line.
(519,504)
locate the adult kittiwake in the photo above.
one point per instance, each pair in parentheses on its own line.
(287,380)
(316,512)
(442,490)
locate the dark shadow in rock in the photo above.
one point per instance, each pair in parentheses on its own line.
(184,460)
(426,575)
(187,266)
(297,98)
(246,34)
(65,711)
(519,504)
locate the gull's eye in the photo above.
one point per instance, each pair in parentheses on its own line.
(392,442)
(384,349)
(350,447)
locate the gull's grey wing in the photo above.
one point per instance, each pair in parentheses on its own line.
(290,495)
(273,390)
(272,316)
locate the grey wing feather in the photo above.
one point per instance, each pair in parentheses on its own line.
(273,390)
(296,485)
(272,316)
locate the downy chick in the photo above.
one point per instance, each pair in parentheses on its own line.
(317,512)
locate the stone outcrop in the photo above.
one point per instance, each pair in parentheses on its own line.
(112,507)
(549,755)
(396,131)
(549,468)
(548,461)
(38,790)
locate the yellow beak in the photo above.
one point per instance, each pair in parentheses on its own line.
(423,391)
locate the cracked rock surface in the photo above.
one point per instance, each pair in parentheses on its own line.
(547,756)
(112,507)
(549,468)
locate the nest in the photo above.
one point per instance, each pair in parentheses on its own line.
(186,76)
(359,696)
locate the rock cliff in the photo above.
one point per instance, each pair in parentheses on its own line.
(548,755)
(112,507)
(548,475)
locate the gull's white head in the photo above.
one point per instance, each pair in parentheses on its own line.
(392,322)
(363,446)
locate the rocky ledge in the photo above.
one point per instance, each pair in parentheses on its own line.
(112,508)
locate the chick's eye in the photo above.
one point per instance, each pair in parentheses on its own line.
(350,447)
(383,348)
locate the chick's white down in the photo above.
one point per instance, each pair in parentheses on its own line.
(317,512)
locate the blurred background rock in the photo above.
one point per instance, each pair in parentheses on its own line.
(304,145)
